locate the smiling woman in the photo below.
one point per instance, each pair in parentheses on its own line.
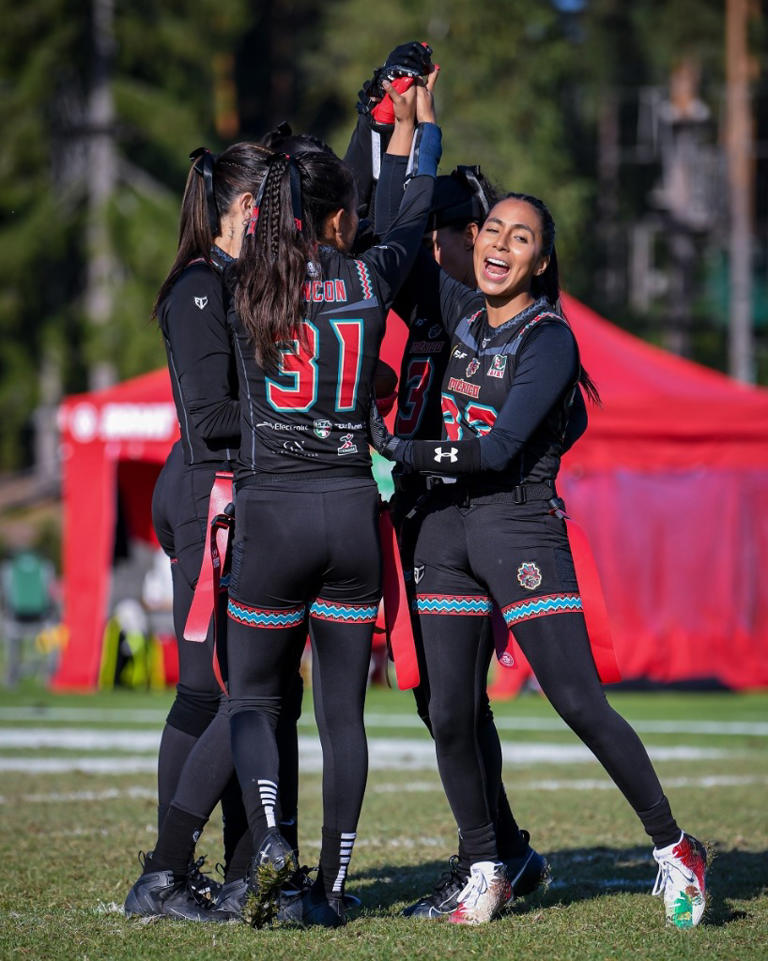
(492,531)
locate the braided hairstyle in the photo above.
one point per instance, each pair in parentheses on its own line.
(239,169)
(281,241)
(547,283)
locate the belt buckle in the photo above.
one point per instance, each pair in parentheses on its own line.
(518,494)
(439,480)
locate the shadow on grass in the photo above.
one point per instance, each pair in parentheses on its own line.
(580,874)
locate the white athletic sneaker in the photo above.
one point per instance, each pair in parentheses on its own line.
(484,895)
(682,880)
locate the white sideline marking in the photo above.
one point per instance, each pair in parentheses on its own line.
(384,753)
(374,719)
(580,784)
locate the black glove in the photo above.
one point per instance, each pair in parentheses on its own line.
(412,59)
(384,443)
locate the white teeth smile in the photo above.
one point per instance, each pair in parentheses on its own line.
(496,263)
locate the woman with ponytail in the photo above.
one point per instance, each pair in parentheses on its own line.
(308,321)
(493,530)
(195,767)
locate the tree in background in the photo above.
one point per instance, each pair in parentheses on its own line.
(166,76)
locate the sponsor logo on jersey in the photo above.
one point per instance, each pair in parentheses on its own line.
(200,302)
(418,573)
(322,428)
(452,455)
(348,426)
(276,425)
(434,331)
(458,353)
(294,446)
(325,291)
(472,367)
(348,446)
(426,347)
(498,365)
(462,387)
(529,575)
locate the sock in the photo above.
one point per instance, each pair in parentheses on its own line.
(239,859)
(289,828)
(335,855)
(176,843)
(660,825)
(509,840)
(479,844)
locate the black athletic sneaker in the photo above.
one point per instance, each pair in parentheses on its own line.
(160,894)
(203,887)
(444,899)
(230,898)
(271,867)
(301,881)
(527,871)
(311,907)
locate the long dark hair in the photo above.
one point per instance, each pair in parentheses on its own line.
(299,193)
(213,185)
(547,283)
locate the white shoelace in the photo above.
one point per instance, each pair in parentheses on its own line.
(475,888)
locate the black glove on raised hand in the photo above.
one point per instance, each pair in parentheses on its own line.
(412,59)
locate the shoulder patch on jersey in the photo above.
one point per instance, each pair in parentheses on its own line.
(201,302)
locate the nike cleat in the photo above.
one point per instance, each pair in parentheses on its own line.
(682,881)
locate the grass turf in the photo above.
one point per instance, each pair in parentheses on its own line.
(68,842)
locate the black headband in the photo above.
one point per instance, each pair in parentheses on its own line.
(204,161)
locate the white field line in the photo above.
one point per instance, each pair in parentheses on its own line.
(379,720)
(578,784)
(401,754)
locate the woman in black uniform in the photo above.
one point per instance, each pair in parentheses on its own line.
(308,324)
(495,530)
(195,767)
(461,202)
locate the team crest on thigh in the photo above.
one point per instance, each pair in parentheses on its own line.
(498,365)
(529,575)
(472,367)
(418,573)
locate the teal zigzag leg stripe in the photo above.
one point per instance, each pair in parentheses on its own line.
(541,606)
(265,617)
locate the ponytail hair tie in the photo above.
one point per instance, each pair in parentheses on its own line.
(293,171)
(204,162)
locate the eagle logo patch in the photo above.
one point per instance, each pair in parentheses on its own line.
(529,575)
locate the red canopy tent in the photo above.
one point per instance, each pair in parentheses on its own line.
(670,482)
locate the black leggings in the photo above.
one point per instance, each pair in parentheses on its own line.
(519,555)
(303,551)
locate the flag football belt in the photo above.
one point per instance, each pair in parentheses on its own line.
(205,599)
(397,620)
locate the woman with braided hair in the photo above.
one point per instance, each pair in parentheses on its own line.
(308,320)
(494,530)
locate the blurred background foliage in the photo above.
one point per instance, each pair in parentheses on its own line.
(566,99)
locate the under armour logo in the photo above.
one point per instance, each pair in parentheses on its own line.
(201,302)
(452,455)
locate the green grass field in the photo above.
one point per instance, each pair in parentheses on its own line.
(77,804)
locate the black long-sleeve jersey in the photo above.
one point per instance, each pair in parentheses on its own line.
(506,394)
(311,414)
(193,319)
(444,390)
